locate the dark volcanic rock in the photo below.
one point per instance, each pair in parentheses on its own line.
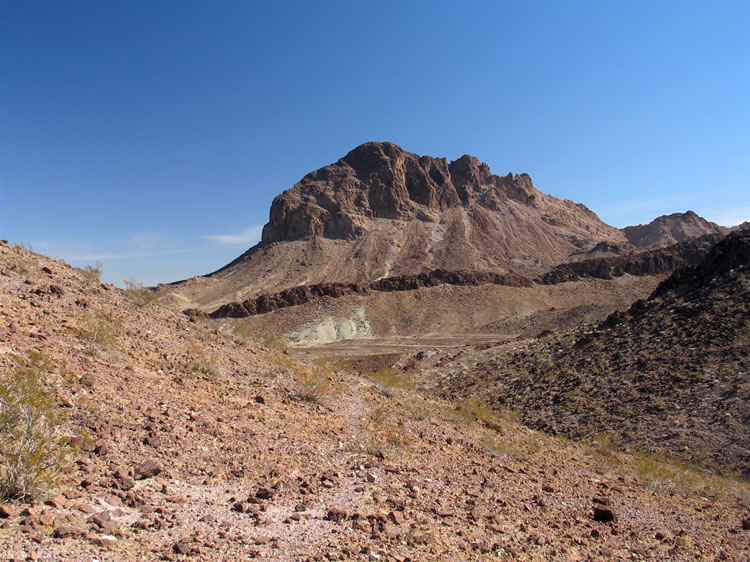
(670,375)
(652,262)
(306,293)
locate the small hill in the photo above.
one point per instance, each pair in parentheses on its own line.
(187,441)
(668,230)
(670,375)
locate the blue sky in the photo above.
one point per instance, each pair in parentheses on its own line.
(153,135)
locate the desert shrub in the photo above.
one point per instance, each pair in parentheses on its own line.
(389,380)
(93,272)
(244,334)
(382,438)
(143,296)
(273,340)
(312,385)
(31,450)
(202,363)
(472,410)
(99,330)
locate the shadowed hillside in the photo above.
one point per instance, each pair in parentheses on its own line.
(671,374)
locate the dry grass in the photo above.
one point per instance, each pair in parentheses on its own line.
(100,331)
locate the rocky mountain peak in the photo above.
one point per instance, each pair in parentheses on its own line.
(671,229)
(382,180)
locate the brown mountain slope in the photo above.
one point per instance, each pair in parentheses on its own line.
(455,303)
(191,443)
(383,212)
(672,374)
(671,229)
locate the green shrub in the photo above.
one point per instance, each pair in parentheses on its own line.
(32,451)
(472,410)
(203,363)
(312,385)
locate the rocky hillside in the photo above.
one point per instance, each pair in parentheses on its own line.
(189,442)
(382,220)
(383,212)
(670,375)
(671,229)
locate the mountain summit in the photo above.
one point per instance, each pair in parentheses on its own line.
(381,181)
(381,211)
(382,215)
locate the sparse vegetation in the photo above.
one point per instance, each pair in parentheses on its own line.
(203,363)
(244,335)
(383,438)
(390,380)
(99,331)
(473,410)
(312,385)
(31,448)
(142,295)
(93,272)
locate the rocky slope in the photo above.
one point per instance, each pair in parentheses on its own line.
(188,442)
(671,229)
(383,212)
(648,263)
(670,375)
(382,219)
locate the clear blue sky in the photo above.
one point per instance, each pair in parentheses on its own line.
(153,135)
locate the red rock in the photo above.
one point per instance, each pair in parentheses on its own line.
(336,514)
(147,469)
(604,515)
(264,494)
(58,502)
(101,448)
(84,508)
(6,512)
(397,517)
(182,547)
(64,531)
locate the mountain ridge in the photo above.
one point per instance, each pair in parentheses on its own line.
(382,212)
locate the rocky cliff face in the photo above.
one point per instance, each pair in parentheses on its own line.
(383,181)
(383,212)
(671,229)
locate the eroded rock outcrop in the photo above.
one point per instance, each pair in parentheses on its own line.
(306,293)
(381,180)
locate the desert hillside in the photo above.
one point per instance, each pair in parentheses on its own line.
(387,243)
(185,441)
(669,375)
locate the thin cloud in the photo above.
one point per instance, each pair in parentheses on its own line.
(130,255)
(727,217)
(250,235)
